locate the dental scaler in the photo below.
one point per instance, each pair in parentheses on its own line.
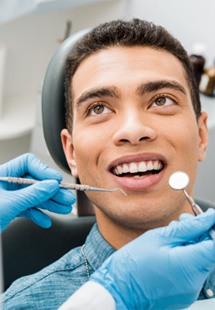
(72,186)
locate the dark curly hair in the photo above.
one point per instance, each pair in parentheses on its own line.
(135,32)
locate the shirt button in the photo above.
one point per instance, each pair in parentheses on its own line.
(209,292)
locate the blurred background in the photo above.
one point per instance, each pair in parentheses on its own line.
(31,31)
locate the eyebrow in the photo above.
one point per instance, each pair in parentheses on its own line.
(98,93)
(113,92)
(157,85)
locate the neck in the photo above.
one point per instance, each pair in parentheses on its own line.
(117,235)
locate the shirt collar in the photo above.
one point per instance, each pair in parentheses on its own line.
(97,249)
(209,286)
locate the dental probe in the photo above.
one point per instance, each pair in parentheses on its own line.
(72,186)
(178,181)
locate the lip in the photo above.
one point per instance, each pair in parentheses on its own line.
(142,183)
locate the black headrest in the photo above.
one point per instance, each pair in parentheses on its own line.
(53,112)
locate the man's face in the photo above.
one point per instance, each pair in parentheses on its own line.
(134,125)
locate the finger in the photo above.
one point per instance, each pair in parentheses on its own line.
(34,195)
(40,170)
(58,208)
(199,254)
(37,216)
(18,166)
(188,216)
(64,196)
(191,228)
(10,168)
(185,216)
(29,164)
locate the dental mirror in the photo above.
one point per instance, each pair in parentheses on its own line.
(179,180)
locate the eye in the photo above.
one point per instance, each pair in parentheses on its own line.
(98,109)
(162,101)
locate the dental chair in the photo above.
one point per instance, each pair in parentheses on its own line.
(27,248)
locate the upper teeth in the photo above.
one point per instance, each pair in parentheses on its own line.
(134,167)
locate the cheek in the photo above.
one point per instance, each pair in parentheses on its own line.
(191,138)
(183,136)
(187,149)
(87,150)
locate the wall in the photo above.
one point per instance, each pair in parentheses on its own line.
(11,148)
(31,41)
(191,21)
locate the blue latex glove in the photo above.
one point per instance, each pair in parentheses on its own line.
(165,268)
(27,201)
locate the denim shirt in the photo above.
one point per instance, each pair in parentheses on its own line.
(50,287)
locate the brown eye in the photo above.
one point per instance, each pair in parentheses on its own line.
(160,101)
(98,109)
(163,101)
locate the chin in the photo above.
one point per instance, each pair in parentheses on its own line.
(137,219)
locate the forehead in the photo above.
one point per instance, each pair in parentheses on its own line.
(123,66)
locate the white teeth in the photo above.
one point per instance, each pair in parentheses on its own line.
(159,165)
(125,168)
(142,167)
(156,165)
(119,169)
(135,167)
(150,165)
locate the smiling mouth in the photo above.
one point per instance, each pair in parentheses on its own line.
(138,169)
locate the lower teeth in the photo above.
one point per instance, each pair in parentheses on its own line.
(136,176)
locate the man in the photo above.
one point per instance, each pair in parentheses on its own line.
(106,286)
(133,118)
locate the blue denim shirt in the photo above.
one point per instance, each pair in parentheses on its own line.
(50,287)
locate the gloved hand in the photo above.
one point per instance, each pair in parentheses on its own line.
(165,268)
(21,200)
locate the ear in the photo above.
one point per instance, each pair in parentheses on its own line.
(203,136)
(68,148)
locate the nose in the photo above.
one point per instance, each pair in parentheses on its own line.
(134,128)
